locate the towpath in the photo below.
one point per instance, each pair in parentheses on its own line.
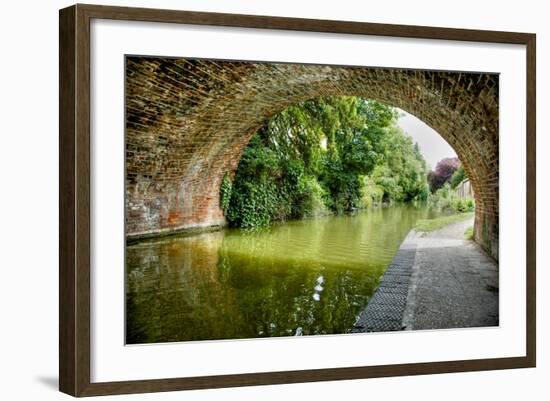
(437,280)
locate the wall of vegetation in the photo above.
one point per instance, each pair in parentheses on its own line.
(443,183)
(327,155)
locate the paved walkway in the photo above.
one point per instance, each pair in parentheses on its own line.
(454,282)
(449,282)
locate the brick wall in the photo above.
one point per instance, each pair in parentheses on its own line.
(187,122)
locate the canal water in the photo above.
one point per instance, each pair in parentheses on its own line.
(296,278)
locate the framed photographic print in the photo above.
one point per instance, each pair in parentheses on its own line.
(250,200)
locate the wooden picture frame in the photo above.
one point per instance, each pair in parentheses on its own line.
(74,200)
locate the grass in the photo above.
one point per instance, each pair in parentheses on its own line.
(428,225)
(469,233)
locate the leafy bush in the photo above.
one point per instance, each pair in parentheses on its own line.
(447,200)
(371,193)
(310,201)
(254,197)
(458,176)
(253,204)
(225,193)
(443,172)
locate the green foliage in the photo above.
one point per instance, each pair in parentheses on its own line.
(447,200)
(255,199)
(402,172)
(458,176)
(371,193)
(333,154)
(310,199)
(225,192)
(376,148)
(254,204)
(443,172)
(469,233)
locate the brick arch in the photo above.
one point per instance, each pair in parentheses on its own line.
(187,122)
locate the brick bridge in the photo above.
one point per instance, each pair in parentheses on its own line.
(188,121)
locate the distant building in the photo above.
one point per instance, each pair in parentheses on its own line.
(464,189)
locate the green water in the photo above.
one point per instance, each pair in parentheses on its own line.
(301,277)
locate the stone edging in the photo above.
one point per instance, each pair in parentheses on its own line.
(386,308)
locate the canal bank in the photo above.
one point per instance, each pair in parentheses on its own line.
(450,283)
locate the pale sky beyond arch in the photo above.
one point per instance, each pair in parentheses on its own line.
(432,146)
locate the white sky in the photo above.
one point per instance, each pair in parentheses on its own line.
(432,146)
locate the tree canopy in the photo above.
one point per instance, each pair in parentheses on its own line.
(458,176)
(443,172)
(325,155)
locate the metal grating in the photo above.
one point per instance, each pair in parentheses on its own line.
(385,309)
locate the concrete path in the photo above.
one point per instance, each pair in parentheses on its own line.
(454,283)
(436,280)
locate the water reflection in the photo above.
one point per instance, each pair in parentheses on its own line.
(298,278)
